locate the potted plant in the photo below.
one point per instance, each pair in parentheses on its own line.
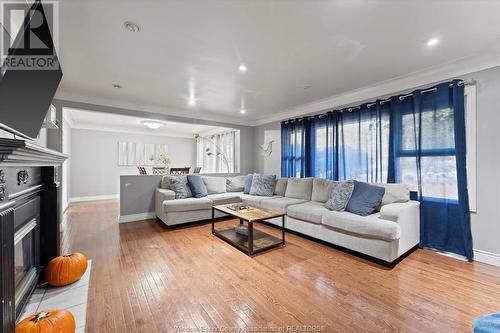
(164,160)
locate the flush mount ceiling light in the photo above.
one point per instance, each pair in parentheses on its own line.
(242,68)
(243,111)
(117,86)
(432,42)
(152,124)
(131,26)
(192,101)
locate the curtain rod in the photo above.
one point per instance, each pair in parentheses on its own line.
(402,97)
(470,82)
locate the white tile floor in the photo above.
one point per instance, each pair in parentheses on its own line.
(72,298)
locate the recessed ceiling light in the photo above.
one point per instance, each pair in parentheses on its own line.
(242,68)
(152,124)
(432,42)
(131,26)
(117,86)
(243,111)
(192,101)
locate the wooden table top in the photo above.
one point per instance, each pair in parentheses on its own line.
(251,214)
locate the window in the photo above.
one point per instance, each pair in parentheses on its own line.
(437,158)
(216,153)
(438,163)
(364,146)
(297,157)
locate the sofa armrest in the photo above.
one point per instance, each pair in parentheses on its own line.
(160,196)
(407,216)
(394,211)
(163,194)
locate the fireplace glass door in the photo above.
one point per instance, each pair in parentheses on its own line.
(24,258)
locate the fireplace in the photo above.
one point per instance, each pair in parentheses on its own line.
(29,222)
(26,260)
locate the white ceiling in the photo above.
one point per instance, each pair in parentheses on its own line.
(195,47)
(92,120)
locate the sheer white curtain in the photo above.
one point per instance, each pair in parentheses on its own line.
(215,153)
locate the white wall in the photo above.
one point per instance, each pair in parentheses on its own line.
(263,135)
(486,221)
(94,160)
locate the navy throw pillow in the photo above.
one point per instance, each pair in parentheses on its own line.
(197,186)
(365,198)
(248,184)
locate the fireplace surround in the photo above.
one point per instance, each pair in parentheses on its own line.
(29,221)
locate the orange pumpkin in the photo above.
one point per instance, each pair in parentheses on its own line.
(60,321)
(64,270)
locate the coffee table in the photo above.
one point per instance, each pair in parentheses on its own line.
(257,240)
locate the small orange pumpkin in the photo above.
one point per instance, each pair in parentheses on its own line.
(64,270)
(60,321)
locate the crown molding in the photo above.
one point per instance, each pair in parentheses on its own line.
(128,130)
(389,87)
(64,95)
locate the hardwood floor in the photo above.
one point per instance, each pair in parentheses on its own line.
(149,278)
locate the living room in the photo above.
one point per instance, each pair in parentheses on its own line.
(208,166)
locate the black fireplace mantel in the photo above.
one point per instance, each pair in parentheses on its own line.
(29,193)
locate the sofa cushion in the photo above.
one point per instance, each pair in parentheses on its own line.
(394,193)
(224,198)
(280,204)
(248,184)
(263,185)
(280,187)
(235,184)
(299,188)
(215,184)
(255,200)
(370,226)
(340,195)
(321,189)
(179,185)
(197,186)
(365,198)
(186,205)
(308,211)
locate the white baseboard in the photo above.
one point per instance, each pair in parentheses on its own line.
(487,257)
(94,198)
(137,217)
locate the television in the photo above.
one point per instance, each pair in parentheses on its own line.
(28,88)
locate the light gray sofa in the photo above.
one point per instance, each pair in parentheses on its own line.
(386,234)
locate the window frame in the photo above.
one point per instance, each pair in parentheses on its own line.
(470,107)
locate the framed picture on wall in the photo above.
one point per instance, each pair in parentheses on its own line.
(138,154)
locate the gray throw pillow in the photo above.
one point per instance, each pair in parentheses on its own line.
(339,195)
(365,198)
(247,184)
(263,185)
(235,184)
(179,184)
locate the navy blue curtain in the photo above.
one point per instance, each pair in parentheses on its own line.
(429,154)
(417,139)
(363,142)
(321,138)
(293,148)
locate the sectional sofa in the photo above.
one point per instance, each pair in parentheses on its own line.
(387,234)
